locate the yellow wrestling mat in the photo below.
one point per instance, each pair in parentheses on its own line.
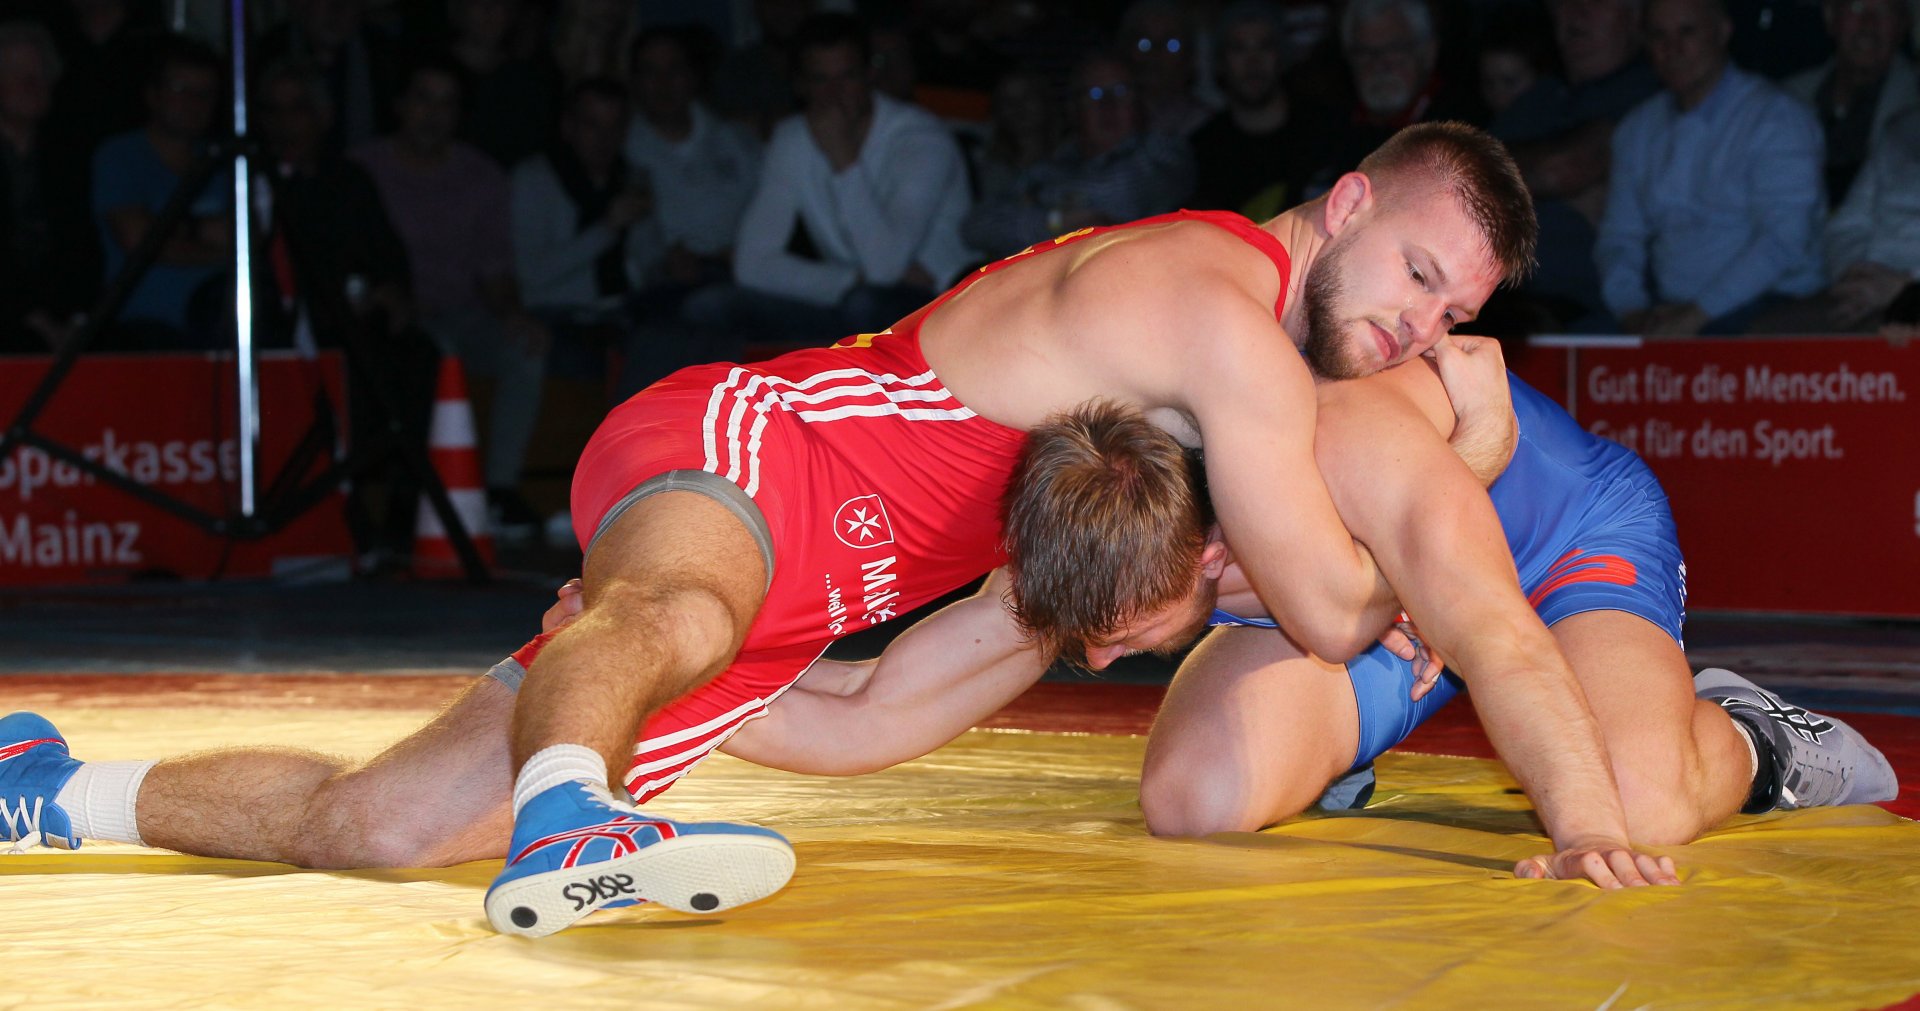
(1009,870)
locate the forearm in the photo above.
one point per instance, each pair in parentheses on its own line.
(933,683)
(1484,441)
(1537,718)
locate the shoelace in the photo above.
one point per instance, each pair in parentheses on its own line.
(22,825)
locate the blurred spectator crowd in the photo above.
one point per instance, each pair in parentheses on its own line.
(611,189)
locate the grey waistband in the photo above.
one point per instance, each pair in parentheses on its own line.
(706,483)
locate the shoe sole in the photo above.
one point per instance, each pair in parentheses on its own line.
(692,874)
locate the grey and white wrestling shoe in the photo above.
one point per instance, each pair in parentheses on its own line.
(1818,760)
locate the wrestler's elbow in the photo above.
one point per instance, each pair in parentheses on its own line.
(1333,634)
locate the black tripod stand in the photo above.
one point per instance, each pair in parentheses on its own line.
(288,495)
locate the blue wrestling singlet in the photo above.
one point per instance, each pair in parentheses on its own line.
(1589,529)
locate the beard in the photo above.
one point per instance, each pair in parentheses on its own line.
(1328,347)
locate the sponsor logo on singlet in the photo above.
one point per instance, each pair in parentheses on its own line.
(879,597)
(861,523)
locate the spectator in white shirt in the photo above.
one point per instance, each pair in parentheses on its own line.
(702,168)
(876,186)
(575,208)
(1873,241)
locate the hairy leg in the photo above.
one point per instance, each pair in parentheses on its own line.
(438,797)
(669,592)
(1681,764)
(1251,732)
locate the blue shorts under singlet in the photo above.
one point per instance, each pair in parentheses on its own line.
(1589,529)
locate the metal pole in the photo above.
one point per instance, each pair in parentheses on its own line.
(245,359)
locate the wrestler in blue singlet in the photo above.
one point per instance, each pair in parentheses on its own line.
(1590,531)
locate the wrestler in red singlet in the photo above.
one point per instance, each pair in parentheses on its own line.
(873,489)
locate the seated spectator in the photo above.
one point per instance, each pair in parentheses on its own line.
(1561,135)
(1160,42)
(754,82)
(701,171)
(1516,57)
(1023,132)
(332,272)
(328,238)
(511,104)
(879,188)
(1715,207)
(1872,245)
(1394,52)
(135,174)
(450,204)
(574,211)
(358,64)
(1868,82)
(1113,170)
(1256,155)
(48,261)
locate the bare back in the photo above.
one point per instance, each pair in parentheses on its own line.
(1127,313)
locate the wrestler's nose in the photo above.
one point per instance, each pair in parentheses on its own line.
(1098,657)
(1420,324)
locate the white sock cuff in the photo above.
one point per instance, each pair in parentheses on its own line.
(100,800)
(561,763)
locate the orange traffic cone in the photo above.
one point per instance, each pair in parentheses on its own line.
(450,445)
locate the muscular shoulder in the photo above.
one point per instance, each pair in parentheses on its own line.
(1181,297)
(1407,393)
(1185,268)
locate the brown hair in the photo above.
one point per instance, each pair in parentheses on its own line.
(1477,169)
(1105,520)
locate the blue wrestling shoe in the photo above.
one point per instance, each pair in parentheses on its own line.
(1818,760)
(575,850)
(34,765)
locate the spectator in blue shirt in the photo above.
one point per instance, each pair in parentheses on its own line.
(136,172)
(1715,204)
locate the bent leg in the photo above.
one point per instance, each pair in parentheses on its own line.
(1251,732)
(1681,764)
(670,589)
(437,797)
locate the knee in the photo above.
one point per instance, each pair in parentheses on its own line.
(1185,798)
(1659,799)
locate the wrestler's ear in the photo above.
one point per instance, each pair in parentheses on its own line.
(1350,197)
(1214,557)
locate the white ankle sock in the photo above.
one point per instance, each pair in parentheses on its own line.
(549,767)
(100,799)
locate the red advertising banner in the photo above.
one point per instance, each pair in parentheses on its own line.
(167,421)
(1793,465)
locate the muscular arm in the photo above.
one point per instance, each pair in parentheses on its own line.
(1439,542)
(1255,408)
(930,685)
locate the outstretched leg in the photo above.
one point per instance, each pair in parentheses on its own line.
(437,797)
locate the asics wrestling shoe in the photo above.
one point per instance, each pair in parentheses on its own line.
(576,850)
(1818,760)
(34,765)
